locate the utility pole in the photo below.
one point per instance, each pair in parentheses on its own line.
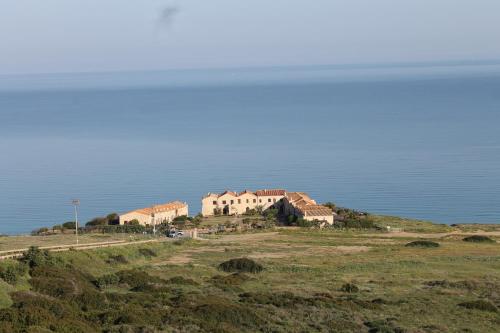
(153,220)
(76,203)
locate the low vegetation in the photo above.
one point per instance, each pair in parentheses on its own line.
(241,265)
(478,239)
(284,280)
(422,244)
(480,305)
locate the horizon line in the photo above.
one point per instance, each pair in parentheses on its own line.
(367,65)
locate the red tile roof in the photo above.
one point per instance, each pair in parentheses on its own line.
(160,208)
(306,205)
(275,192)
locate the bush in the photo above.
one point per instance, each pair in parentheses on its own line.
(118,259)
(69,225)
(8,275)
(35,257)
(478,239)
(479,305)
(106,280)
(422,243)
(113,219)
(97,221)
(182,280)
(242,265)
(180,218)
(134,222)
(234,279)
(40,231)
(148,253)
(136,279)
(271,214)
(349,288)
(383,326)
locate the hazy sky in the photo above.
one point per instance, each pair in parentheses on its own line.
(40,36)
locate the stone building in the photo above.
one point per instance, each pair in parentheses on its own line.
(156,214)
(301,205)
(231,203)
(288,203)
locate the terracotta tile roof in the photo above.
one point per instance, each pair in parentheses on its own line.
(318,210)
(306,205)
(246,192)
(228,192)
(274,192)
(160,208)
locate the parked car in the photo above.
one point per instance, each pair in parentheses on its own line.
(175,233)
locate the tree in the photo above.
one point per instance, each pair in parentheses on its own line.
(97,221)
(330,205)
(113,219)
(35,257)
(271,214)
(133,222)
(69,225)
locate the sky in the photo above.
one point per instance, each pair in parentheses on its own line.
(58,36)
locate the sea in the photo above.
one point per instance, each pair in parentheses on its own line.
(419,140)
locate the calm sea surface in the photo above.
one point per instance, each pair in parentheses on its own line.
(418,142)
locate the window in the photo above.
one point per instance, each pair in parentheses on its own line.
(248,201)
(254,200)
(214,202)
(239,201)
(232,202)
(223,202)
(269,200)
(274,200)
(260,200)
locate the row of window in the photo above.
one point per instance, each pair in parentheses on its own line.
(224,202)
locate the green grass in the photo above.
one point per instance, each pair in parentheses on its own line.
(410,225)
(307,285)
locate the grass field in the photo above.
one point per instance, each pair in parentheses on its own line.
(20,242)
(301,289)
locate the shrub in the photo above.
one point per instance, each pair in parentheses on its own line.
(383,326)
(40,231)
(97,221)
(8,274)
(478,239)
(330,205)
(106,280)
(113,219)
(69,225)
(479,305)
(147,252)
(35,257)
(349,288)
(135,278)
(271,214)
(422,243)
(134,222)
(118,259)
(304,223)
(234,279)
(241,265)
(182,280)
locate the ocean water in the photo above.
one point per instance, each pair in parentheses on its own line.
(416,141)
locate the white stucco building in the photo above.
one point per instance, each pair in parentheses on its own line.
(156,214)
(288,203)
